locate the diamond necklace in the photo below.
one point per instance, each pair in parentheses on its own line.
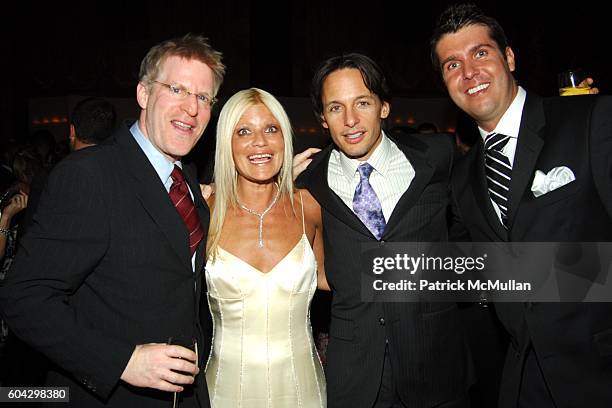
(263,214)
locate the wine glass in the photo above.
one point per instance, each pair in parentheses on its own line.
(570,83)
(188,342)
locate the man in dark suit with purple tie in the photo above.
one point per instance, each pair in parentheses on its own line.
(375,189)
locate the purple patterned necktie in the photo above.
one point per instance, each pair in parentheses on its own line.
(366,203)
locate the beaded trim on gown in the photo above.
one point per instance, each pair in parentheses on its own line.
(263,353)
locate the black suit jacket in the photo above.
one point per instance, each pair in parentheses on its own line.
(427,345)
(104,267)
(570,340)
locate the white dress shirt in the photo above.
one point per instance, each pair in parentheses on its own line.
(163,167)
(390,178)
(509,125)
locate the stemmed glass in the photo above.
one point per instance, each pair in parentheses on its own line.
(187,342)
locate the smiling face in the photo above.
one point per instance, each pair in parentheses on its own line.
(174,125)
(477,74)
(352,113)
(258,145)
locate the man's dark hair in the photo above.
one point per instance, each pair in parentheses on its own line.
(458,16)
(373,78)
(427,127)
(93,120)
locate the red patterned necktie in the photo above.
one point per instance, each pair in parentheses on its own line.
(179,194)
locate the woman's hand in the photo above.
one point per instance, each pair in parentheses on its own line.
(207,190)
(16,204)
(302,160)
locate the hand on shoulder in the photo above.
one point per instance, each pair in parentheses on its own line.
(207,190)
(302,160)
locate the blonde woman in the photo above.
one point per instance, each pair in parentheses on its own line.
(265,261)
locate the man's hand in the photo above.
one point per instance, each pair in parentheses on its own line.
(161,366)
(588,82)
(302,160)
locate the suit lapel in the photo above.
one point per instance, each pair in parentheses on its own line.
(153,196)
(527,151)
(319,187)
(423,170)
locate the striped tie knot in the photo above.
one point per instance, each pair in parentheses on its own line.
(496,141)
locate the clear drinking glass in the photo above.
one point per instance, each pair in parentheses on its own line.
(187,342)
(570,83)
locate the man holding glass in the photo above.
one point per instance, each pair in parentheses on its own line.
(111,268)
(541,174)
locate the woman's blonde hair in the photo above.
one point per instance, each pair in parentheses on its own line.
(225,174)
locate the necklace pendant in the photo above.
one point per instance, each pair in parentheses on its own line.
(262,215)
(261,231)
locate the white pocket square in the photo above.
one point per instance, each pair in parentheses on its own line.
(557,177)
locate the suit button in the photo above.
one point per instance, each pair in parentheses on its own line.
(483,301)
(381,321)
(382,243)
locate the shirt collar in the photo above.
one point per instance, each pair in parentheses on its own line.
(510,122)
(160,163)
(379,159)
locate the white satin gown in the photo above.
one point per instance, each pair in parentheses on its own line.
(263,353)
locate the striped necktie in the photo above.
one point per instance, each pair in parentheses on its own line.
(499,172)
(179,194)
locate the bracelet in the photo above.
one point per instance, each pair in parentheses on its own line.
(5,232)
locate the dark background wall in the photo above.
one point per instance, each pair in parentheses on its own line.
(94,47)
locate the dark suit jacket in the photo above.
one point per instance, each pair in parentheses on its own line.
(427,345)
(570,340)
(104,267)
